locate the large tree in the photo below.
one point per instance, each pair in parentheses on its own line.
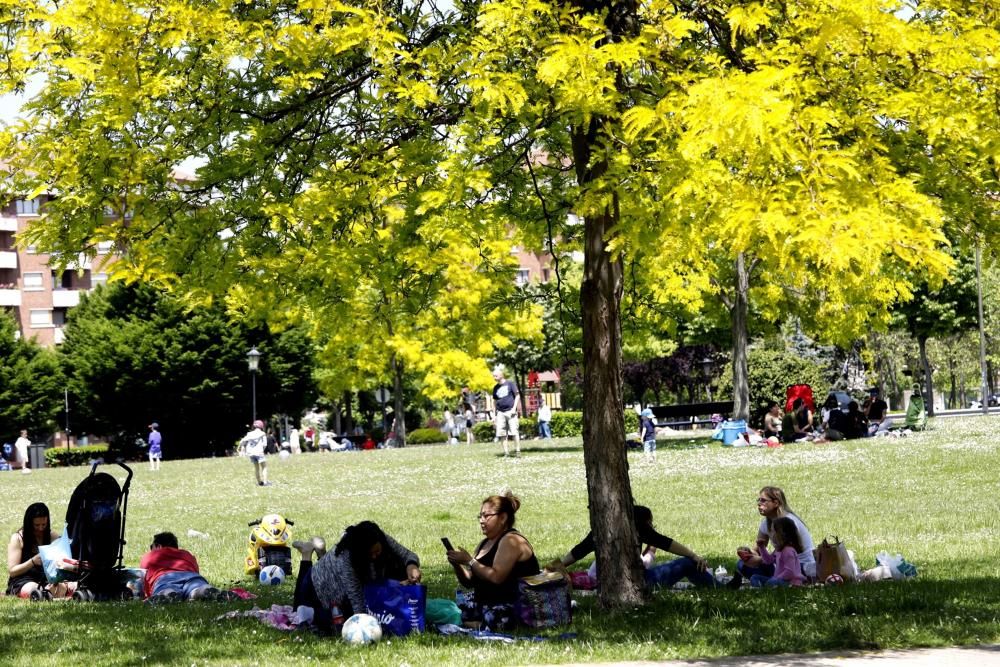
(725,150)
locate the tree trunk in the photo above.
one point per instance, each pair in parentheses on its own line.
(348,414)
(608,486)
(609,490)
(928,379)
(738,317)
(398,403)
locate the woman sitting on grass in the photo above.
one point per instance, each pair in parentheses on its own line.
(772,504)
(502,558)
(363,555)
(665,575)
(785,559)
(24,563)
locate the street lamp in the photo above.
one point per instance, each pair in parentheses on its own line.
(707,364)
(253,361)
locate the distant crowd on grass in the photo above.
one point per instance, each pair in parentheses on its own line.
(834,421)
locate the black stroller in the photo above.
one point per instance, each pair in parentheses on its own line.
(95,522)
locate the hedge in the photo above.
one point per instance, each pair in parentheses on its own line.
(564,424)
(425,436)
(76,456)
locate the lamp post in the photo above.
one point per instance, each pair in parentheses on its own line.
(707,364)
(253,361)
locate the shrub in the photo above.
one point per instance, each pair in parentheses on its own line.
(565,424)
(77,456)
(425,436)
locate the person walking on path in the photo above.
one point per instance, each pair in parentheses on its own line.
(505,397)
(253,445)
(155,446)
(21,447)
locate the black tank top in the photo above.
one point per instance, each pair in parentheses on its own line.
(506,592)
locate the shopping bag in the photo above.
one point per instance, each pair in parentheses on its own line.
(543,601)
(399,608)
(832,558)
(57,560)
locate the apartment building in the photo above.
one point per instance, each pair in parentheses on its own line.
(38,295)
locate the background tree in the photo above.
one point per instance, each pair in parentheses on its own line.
(31,386)
(938,312)
(134,355)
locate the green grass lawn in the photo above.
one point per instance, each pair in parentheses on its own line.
(933,497)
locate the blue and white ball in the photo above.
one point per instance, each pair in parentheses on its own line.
(272,575)
(361,629)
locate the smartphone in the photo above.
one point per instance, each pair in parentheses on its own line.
(447,544)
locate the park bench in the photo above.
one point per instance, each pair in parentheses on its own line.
(690,415)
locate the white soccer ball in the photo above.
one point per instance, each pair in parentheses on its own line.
(272,575)
(284,454)
(361,629)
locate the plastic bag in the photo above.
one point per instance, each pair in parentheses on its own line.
(57,560)
(399,608)
(897,565)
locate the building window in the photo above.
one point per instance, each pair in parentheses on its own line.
(546,275)
(41,318)
(522,278)
(104,247)
(31,250)
(27,206)
(34,282)
(98,279)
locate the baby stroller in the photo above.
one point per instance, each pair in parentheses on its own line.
(95,522)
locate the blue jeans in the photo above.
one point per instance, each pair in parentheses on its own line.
(763,581)
(748,572)
(545,430)
(669,573)
(182,583)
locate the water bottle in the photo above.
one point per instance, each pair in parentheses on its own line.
(720,572)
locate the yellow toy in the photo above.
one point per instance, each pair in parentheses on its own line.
(268,544)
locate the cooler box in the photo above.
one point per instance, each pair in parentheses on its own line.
(732,430)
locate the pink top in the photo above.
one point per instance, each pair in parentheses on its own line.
(786,564)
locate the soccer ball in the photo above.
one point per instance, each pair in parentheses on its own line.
(361,629)
(834,580)
(272,575)
(284,454)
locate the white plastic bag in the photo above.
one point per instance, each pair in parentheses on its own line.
(57,560)
(897,565)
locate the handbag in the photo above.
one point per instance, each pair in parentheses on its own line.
(399,608)
(543,601)
(832,558)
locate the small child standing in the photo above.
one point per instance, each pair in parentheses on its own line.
(785,558)
(647,433)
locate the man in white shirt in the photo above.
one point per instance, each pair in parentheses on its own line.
(21,447)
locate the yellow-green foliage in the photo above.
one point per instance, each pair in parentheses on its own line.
(360,165)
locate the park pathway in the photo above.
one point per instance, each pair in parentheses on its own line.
(971,656)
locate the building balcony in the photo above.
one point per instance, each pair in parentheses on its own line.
(65,298)
(8,224)
(8,259)
(10,297)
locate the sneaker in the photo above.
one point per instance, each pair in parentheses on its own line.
(38,595)
(163,598)
(208,593)
(226,596)
(265,484)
